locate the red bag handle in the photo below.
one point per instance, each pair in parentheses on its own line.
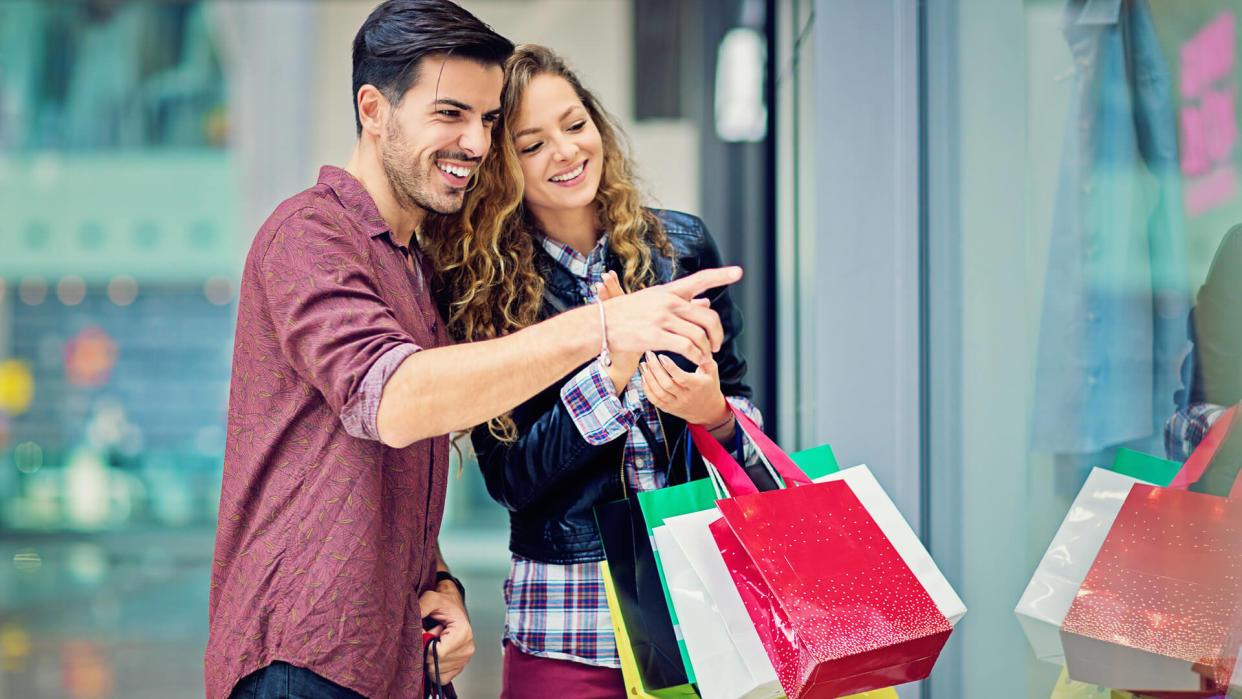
(736,480)
(1203,454)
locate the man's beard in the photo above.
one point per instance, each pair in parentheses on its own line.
(415,185)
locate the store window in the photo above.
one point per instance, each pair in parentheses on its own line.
(119,261)
(1081,229)
(117,304)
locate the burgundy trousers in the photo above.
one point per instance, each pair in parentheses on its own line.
(527,676)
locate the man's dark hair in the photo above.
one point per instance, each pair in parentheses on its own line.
(400,33)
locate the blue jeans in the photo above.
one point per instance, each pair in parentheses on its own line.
(280,680)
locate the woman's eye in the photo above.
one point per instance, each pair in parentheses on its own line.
(532,147)
(578,126)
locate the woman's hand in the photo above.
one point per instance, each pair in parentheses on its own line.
(695,398)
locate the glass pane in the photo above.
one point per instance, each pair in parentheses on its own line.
(117,293)
(1128,183)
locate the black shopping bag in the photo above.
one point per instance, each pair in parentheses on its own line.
(640,595)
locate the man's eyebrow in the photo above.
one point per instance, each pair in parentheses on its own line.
(523,132)
(454,103)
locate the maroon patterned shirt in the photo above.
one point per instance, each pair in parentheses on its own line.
(326,537)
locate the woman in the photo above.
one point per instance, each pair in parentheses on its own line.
(572,232)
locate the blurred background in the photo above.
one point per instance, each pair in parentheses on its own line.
(972,231)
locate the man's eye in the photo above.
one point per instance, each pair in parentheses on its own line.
(450,113)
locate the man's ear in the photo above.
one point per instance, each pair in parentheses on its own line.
(373,109)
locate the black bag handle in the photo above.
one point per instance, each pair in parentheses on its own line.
(430,691)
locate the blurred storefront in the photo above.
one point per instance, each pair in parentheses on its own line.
(141,144)
(973,232)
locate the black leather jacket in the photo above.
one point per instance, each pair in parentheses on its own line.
(550,479)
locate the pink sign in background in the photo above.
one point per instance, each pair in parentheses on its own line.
(1209,125)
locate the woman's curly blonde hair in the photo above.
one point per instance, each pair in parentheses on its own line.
(484,255)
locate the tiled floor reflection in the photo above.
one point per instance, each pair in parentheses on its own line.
(124,615)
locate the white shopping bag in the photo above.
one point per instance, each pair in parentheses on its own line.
(1068,559)
(721,669)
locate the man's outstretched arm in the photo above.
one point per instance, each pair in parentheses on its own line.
(440,390)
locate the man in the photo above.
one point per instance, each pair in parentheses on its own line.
(344,387)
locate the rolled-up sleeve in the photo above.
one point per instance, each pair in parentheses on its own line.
(592,402)
(330,321)
(362,411)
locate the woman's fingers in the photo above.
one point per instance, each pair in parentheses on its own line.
(613,283)
(655,375)
(675,374)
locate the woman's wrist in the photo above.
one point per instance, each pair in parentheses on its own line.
(722,419)
(622,370)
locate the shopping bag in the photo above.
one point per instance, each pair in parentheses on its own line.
(701,494)
(657,504)
(1159,608)
(716,629)
(1067,688)
(1055,581)
(641,604)
(1064,565)
(1145,467)
(722,670)
(692,496)
(902,537)
(836,607)
(629,668)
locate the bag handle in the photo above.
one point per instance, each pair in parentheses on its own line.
(1194,467)
(431,647)
(735,478)
(776,456)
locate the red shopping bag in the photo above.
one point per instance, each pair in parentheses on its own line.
(837,609)
(1159,608)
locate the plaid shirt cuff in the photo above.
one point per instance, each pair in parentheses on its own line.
(749,455)
(592,401)
(1187,427)
(361,415)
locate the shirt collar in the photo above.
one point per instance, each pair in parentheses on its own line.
(572,260)
(355,198)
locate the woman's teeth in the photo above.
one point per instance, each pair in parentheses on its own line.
(570,175)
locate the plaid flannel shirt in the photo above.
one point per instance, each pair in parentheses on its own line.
(560,611)
(1186,428)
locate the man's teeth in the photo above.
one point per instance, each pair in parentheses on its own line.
(454,170)
(570,175)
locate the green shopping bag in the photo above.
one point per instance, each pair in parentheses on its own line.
(816,462)
(1145,467)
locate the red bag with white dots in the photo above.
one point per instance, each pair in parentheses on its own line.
(836,606)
